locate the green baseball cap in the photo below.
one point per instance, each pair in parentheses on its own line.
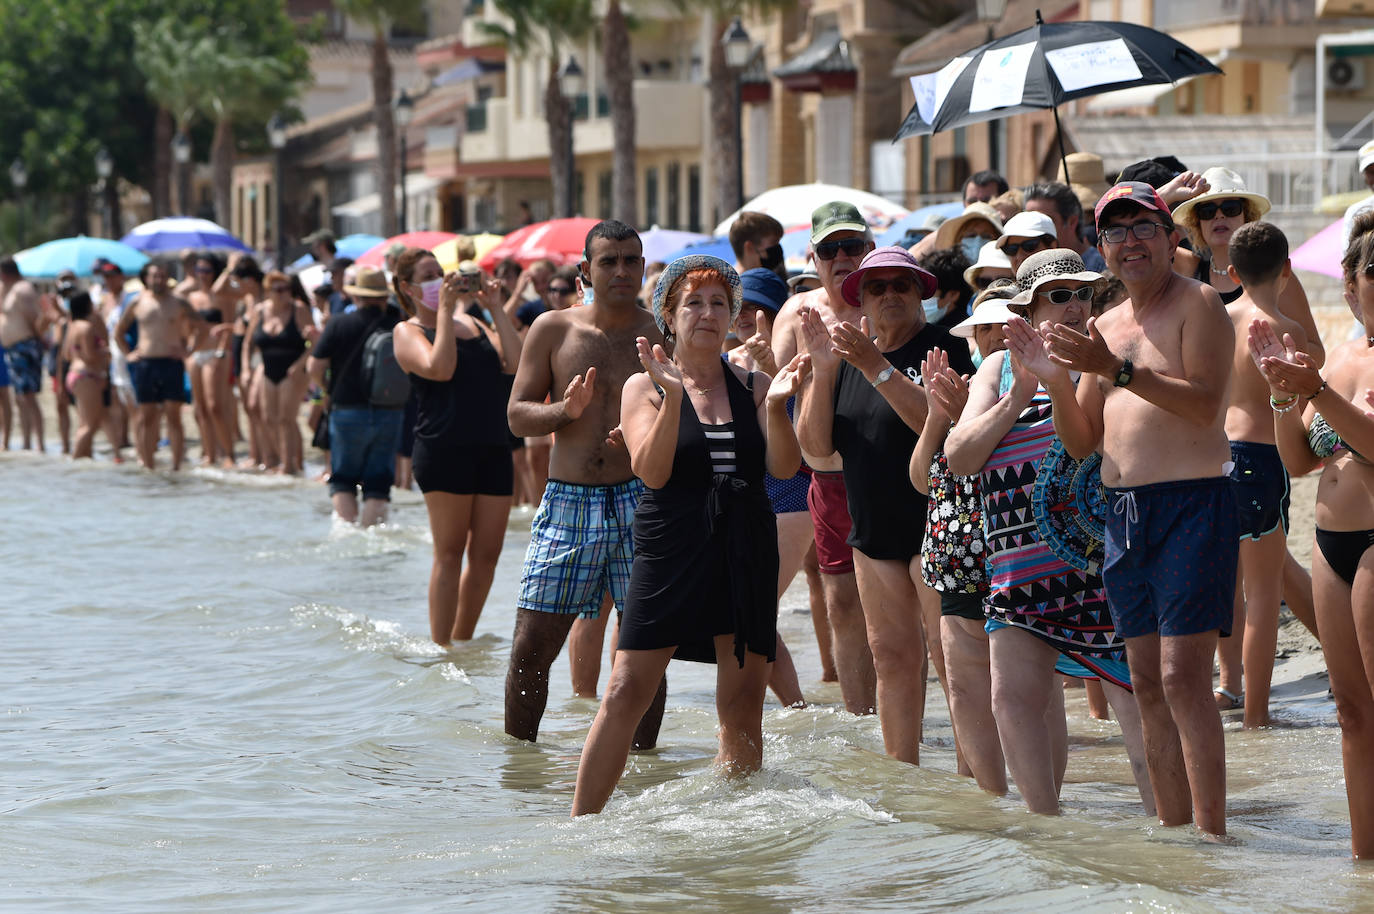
(838,216)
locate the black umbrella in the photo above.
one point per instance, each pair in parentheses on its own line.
(1044,66)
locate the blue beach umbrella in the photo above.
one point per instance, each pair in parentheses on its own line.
(915,219)
(79,255)
(350,246)
(658,242)
(715,247)
(180,232)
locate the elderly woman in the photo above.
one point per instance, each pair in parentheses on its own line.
(1320,419)
(1046,606)
(1210,219)
(700,433)
(865,404)
(280,330)
(952,562)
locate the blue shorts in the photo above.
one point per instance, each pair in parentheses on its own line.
(25,361)
(581,547)
(1171,552)
(362,450)
(1261,487)
(4,369)
(158,381)
(788,496)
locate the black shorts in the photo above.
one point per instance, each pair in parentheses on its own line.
(158,381)
(473,470)
(963,605)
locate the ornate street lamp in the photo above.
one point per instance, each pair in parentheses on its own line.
(572,82)
(739,48)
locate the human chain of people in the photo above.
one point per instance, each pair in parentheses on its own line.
(1051,437)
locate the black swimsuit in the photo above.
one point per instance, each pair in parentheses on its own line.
(1204,275)
(706,546)
(279,350)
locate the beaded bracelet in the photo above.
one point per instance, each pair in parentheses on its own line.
(1282,406)
(1316,393)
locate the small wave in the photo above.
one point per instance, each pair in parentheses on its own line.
(363,633)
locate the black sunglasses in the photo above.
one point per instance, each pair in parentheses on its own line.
(852,247)
(1030,245)
(1142,230)
(1064,296)
(901,285)
(560,290)
(1208,210)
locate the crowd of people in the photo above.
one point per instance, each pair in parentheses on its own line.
(1045,440)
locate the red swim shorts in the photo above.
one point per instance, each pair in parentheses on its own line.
(830,512)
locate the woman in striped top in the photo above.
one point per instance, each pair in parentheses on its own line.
(700,432)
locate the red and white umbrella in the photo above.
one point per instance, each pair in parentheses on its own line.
(559,240)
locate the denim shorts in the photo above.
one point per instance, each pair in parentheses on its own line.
(362,450)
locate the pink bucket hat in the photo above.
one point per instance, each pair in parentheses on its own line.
(879,258)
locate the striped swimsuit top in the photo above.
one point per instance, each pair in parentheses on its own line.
(720,444)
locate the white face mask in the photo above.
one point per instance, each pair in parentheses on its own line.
(933,310)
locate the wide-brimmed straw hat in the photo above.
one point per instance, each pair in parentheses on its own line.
(1225,184)
(680,268)
(990,257)
(989,307)
(949,229)
(369,282)
(881,258)
(1047,266)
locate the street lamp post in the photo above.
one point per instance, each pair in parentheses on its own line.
(19,177)
(571,83)
(181,151)
(104,167)
(738,49)
(276,135)
(405,108)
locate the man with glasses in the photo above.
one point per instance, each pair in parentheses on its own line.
(839,238)
(1024,234)
(1152,398)
(1058,201)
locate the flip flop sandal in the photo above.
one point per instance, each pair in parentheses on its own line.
(1234,702)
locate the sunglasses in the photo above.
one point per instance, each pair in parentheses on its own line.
(1228,208)
(281,289)
(1030,245)
(901,285)
(204,270)
(1142,230)
(560,290)
(852,247)
(1064,296)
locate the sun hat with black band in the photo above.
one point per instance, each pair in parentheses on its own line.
(1224,184)
(764,288)
(369,282)
(680,268)
(989,307)
(1047,266)
(884,258)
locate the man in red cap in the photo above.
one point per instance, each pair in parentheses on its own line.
(1152,398)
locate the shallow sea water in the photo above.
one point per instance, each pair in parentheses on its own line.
(212,697)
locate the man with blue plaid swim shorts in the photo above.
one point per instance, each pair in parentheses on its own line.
(580,548)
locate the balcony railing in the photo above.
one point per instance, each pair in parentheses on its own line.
(1195,13)
(476,118)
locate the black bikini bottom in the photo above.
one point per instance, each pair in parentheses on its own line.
(1343,550)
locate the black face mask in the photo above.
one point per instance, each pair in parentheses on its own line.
(770,258)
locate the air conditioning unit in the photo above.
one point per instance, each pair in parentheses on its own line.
(1345,74)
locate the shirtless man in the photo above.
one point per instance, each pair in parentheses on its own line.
(1153,398)
(1259,263)
(168,328)
(580,543)
(22,324)
(840,239)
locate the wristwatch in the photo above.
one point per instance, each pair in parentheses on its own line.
(1123,377)
(884,375)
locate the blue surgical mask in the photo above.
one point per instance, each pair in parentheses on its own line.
(933,310)
(971,246)
(588,295)
(977,358)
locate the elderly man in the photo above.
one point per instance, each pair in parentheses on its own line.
(1152,398)
(22,323)
(840,238)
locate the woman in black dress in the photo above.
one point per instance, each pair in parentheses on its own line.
(700,432)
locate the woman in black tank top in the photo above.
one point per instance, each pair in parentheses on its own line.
(461,458)
(700,433)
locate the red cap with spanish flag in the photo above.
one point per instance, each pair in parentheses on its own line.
(1137,192)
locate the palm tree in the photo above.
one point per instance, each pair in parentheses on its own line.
(615,44)
(381,15)
(170,56)
(548,26)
